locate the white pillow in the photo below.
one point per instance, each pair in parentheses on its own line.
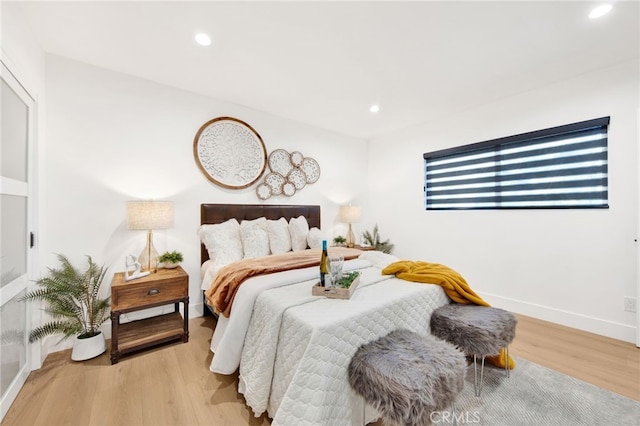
(222,242)
(255,240)
(279,238)
(314,238)
(298,229)
(378,259)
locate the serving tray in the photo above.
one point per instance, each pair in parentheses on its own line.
(336,292)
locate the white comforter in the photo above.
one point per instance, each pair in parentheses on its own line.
(297,348)
(229,335)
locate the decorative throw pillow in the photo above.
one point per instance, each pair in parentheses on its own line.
(298,229)
(279,238)
(379,259)
(314,238)
(260,222)
(222,242)
(255,240)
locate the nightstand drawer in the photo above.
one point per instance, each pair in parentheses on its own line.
(167,285)
(141,294)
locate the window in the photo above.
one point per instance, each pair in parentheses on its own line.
(561,167)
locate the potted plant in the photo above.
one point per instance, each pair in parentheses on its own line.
(171,259)
(347,279)
(339,241)
(73,303)
(373,239)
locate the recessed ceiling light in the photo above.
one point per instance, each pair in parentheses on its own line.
(202,39)
(374,108)
(599,11)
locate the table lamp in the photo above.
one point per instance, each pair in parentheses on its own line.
(149,215)
(350,214)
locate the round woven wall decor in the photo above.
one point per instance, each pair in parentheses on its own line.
(229,152)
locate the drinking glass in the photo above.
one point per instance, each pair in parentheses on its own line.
(336,262)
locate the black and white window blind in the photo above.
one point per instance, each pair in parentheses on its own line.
(560,167)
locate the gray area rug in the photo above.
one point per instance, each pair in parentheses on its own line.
(535,395)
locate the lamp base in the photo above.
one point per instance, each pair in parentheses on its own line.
(149,256)
(351,238)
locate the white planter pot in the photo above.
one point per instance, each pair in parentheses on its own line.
(89,347)
(169,265)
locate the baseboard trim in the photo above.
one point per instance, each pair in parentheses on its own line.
(588,323)
(196,310)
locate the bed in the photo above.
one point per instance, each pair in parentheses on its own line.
(292,348)
(217,214)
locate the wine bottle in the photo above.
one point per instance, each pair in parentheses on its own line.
(323,264)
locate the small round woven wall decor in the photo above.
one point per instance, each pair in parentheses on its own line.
(229,152)
(289,173)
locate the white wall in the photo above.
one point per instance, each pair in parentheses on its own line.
(110,138)
(20,48)
(113,138)
(568,266)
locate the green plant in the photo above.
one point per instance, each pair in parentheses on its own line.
(171,257)
(72,300)
(374,240)
(348,279)
(339,240)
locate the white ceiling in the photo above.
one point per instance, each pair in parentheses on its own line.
(325,63)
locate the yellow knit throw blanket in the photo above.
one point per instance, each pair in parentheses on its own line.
(454,285)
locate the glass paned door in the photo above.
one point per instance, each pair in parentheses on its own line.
(16,143)
(13,350)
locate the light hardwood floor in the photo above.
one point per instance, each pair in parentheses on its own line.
(172,384)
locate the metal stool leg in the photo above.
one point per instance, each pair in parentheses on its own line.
(477,386)
(506,360)
(453,411)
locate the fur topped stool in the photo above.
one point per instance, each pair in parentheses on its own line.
(407,376)
(475,330)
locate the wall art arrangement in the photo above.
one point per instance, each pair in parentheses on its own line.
(230,153)
(288,173)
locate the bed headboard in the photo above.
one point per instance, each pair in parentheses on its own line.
(218,213)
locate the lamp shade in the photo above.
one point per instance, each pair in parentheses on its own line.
(149,214)
(350,214)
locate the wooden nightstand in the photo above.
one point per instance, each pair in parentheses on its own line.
(162,288)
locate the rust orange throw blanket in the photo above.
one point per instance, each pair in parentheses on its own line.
(223,290)
(454,285)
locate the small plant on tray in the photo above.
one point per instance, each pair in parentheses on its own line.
(347,279)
